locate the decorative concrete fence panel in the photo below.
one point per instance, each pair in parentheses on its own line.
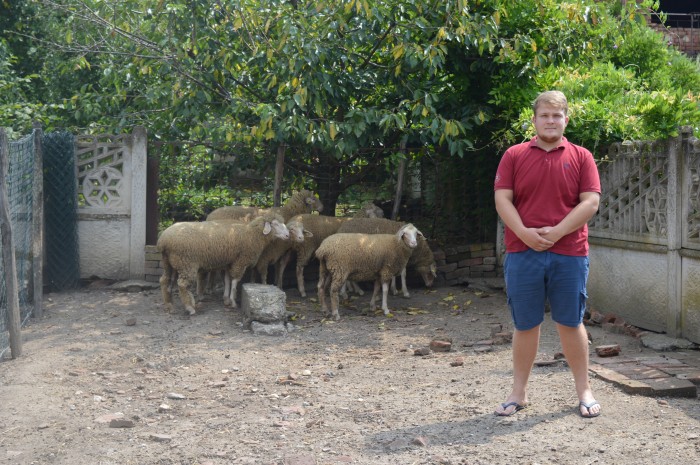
(111,176)
(645,239)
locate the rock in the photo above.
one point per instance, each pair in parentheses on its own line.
(440,345)
(121,423)
(109,417)
(661,342)
(163,408)
(597,317)
(422,351)
(268,329)
(458,362)
(131,322)
(160,437)
(134,285)
(504,337)
(608,350)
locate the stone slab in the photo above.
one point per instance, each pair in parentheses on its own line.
(672,387)
(660,387)
(642,372)
(692,376)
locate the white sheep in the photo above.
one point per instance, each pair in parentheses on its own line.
(298,234)
(189,247)
(303,201)
(369,210)
(320,227)
(363,257)
(422,259)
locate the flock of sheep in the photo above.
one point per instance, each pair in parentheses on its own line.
(234,239)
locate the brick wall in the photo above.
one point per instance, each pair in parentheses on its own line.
(685,39)
(455,265)
(153,269)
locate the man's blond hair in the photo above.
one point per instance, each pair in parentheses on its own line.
(555,98)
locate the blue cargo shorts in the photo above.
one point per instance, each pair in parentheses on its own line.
(533,278)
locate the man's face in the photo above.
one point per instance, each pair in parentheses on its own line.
(550,123)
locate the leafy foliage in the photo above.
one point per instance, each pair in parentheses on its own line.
(350,88)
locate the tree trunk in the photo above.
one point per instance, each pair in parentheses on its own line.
(329,188)
(279,175)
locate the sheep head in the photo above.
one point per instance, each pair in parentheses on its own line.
(312,202)
(271,223)
(372,211)
(410,235)
(428,273)
(297,231)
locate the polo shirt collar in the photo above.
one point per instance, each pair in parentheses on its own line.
(562,145)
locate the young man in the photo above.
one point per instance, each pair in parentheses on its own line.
(546,190)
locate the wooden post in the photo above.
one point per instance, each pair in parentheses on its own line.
(279,175)
(8,252)
(38,223)
(675,209)
(399,182)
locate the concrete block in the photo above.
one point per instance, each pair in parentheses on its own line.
(263,303)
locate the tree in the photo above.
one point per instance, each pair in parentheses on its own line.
(340,85)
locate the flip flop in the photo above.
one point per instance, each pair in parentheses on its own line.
(505,406)
(588,407)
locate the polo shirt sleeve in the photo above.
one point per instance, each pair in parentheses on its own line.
(504,173)
(590,178)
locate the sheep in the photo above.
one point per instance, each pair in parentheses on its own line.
(189,247)
(303,201)
(369,210)
(321,227)
(363,257)
(274,251)
(422,259)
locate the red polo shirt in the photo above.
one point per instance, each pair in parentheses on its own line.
(546,187)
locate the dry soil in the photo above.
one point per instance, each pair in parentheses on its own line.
(107,377)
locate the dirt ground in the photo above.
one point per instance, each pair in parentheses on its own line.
(107,377)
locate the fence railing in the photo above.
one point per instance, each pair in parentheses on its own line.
(645,239)
(21,216)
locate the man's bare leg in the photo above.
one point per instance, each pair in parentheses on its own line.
(574,343)
(525,345)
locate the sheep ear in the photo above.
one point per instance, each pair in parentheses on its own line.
(308,233)
(267,228)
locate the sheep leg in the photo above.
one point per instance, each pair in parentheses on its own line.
(173,280)
(404,288)
(385,292)
(375,292)
(227,290)
(300,280)
(234,285)
(234,274)
(336,284)
(209,287)
(201,277)
(183,286)
(166,286)
(323,281)
(344,291)
(356,288)
(281,265)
